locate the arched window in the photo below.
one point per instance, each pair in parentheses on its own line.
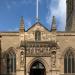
(37,35)
(69,62)
(11,63)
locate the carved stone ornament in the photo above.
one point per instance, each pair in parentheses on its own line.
(22,56)
(39,48)
(53,59)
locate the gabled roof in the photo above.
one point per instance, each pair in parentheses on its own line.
(39,24)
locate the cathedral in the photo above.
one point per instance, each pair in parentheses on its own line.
(39,51)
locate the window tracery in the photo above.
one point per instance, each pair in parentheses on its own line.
(69,62)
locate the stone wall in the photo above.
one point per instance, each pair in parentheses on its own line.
(63,40)
(9,40)
(46,35)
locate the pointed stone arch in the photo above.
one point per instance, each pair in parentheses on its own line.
(9,57)
(37,59)
(11,50)
(62,55)
(67,49)
(37,68)
(69,61)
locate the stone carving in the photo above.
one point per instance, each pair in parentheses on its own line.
(53,59)
(22,58)
(38,52)
(40,48)
(22,55)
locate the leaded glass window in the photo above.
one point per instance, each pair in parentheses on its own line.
(69,62)
(11,63)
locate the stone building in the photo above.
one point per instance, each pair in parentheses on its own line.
(39,51)
(70,15)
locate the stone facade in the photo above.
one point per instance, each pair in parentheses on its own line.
(50,50)
(24,52)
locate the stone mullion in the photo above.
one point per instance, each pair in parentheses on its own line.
(13,64)
(71,63)
(67,64)
(10,64)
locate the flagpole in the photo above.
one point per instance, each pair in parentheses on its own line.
(37,4)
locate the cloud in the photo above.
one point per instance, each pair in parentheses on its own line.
(58,10)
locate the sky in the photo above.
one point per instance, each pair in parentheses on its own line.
(12,10)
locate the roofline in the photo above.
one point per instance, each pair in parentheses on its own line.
(9,31)
(35,24)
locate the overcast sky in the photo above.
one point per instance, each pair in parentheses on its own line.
(12,10)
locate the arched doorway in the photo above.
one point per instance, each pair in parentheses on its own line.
(37,68)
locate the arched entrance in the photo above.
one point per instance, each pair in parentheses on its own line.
(37,68)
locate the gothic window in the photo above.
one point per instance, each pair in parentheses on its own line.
(69,62)
(11,63)
(37,35)
(8,64)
